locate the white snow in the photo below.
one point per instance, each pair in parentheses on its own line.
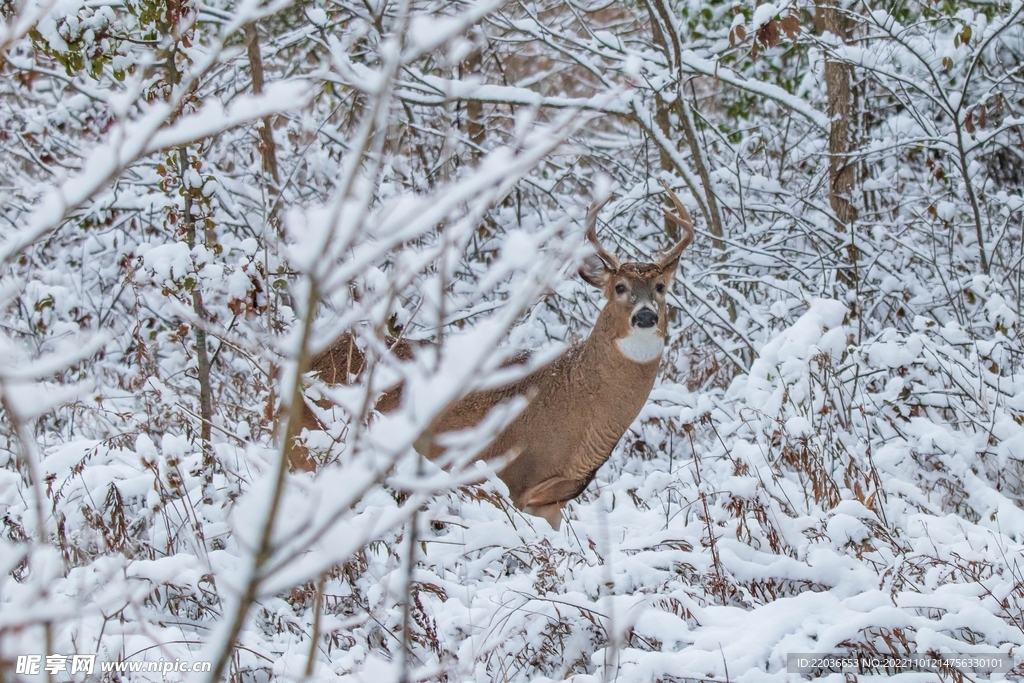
(763,14)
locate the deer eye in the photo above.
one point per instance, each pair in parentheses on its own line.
(620,288)
(659,288)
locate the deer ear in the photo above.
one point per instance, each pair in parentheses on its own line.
(595,271)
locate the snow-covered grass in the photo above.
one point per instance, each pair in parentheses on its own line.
(826,501)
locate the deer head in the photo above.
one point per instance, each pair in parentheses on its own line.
(636,311)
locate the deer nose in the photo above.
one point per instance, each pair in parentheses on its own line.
(645,317)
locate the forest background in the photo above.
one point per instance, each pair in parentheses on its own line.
(197,196)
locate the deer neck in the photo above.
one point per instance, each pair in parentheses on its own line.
(621,366)
(609,389)
(642,345)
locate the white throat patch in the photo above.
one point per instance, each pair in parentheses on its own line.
(642,345)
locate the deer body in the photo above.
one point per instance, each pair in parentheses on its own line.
(555,460)
(578,405)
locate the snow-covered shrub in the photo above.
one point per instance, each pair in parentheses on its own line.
(196,198)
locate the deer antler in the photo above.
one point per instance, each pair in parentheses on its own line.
(609,258)
(685,223)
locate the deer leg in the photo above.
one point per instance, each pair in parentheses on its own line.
(552,513)
(547,499)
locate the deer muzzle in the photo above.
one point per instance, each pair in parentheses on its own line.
(645,318)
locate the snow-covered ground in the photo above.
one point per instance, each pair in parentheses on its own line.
(804,509)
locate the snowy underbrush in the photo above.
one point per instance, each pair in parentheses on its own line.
(835,498)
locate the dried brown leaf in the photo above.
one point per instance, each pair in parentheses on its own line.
(768,34)
(791,27)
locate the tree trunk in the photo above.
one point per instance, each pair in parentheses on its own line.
(838,82)
(268,148)
(474,107)
(202,350)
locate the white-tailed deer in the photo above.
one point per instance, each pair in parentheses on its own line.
(580,404)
